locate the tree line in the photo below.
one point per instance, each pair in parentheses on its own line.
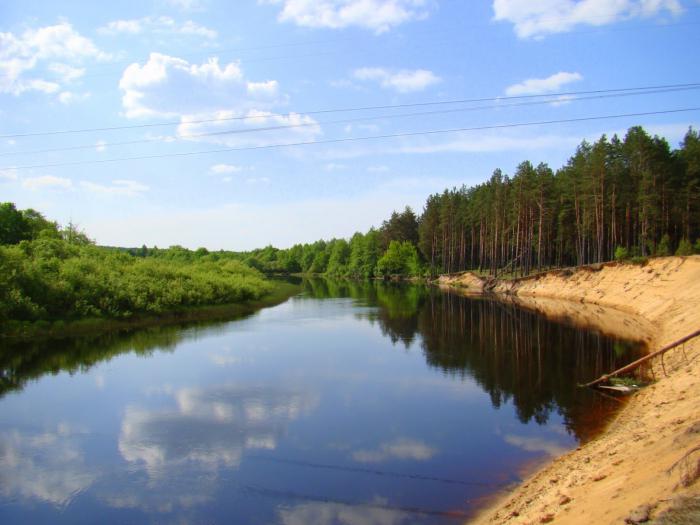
(613,199)
(49,273)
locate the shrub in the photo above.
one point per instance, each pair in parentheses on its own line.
(684,248)
(621,253)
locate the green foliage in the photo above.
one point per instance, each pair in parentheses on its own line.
(684,248)
(23,225)
(664,247)
(401,258)
(53,278)
(621,253)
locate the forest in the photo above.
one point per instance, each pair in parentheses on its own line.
(627,198)
(614,199)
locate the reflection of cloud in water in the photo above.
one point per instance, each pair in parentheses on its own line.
(210,427)
(48,466)
(401,448)
(176,453)
(536,444)
(337,513)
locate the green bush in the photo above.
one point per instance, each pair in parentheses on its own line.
(50,279)
(664,247)
(684,248)
(621,253)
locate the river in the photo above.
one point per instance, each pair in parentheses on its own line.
(370,403)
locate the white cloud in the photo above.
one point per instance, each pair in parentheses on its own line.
(119,187)
(169,86)
(65,72)
(401,448)
(156,25)
(541,86)
(100,146)
(46,181)
(377,15)
(403,81)
(225,168)
(378,169)
(22,55)
(536,19)
(334,166)
(232,107)
(274,128)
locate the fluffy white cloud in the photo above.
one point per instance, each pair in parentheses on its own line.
(57,45)
(121,187)
(541,86)
(46,181)
(536,19)
(215,102)
(156,25)
(377,15)
(403,81)
(171,86)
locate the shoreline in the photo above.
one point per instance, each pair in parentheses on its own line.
(644,462)
(17,331)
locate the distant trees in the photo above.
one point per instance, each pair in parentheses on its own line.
(613,199)
(633,196)
(22,225)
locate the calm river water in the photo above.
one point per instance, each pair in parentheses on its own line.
(348,404)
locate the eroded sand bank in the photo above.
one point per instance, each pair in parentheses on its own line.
(632,470)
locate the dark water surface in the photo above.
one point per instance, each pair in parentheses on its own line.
(349,404)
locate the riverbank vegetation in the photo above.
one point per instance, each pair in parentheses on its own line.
(615,198)
(48,273)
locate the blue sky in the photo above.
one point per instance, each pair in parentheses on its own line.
(276,64)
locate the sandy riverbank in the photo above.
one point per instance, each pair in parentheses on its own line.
(632,469)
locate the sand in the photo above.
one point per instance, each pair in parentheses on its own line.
(636,468)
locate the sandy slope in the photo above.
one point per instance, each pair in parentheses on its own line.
(632,464)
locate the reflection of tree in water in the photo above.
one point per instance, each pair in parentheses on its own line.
(515,355)
(398,303)
(520,356)
(27,360)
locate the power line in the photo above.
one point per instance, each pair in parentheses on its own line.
(346,121)
(353,139)
(351,109)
